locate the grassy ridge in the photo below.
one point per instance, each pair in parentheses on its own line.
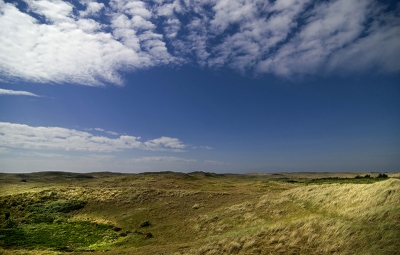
(199,213)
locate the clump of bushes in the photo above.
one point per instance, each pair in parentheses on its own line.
(382,176)
(62,206)
(65,206)
(361,177)
(145,235)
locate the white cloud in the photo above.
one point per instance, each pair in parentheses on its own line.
(282,37)
(69,48)
(16,93)
(330,26)
(53,11)
(288,37)
(162,159)
(131,22)
(167,8)
(92,9)
(256,35)
(105,131)
(56,138)
(171,28)
(172,143)
(37,155)
(378,51)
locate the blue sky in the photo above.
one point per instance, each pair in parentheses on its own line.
(218,86)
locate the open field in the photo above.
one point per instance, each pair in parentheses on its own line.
(199,213)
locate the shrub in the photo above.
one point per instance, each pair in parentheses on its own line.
(60,206)
(382,176)
(145,224)
(148,235)
(64,206)
(10,224)
(7,215)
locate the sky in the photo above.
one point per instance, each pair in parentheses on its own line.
(225,86)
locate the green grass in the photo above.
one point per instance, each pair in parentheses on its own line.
(44,224)
(50,212)
(63,236)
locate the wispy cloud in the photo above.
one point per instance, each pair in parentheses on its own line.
(206,147)
(162,159)
(53,41)
(329,27)
(16,93)
(216,162)
(57,138)
(169,142)
(105,131)
(4,150)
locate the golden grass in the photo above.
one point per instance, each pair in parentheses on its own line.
(340,219)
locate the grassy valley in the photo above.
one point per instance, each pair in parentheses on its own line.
(199,213)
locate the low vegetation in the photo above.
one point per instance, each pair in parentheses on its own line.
(199,213)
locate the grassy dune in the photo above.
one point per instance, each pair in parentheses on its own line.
(199,213)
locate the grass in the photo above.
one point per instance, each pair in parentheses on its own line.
(67,236)
(200,213)
(43,222)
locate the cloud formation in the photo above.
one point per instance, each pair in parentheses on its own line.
(155,159)
(17,93)
(66,46)
(105,131)
(56,138)
(215,162)
(91,42)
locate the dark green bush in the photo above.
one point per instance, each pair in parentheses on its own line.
(60,206)
(42,218)
(382,176)
(10,224)
(148,235)
(64,206)
(7,215)
(145,224)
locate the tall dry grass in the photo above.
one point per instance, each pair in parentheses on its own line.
(320,219)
